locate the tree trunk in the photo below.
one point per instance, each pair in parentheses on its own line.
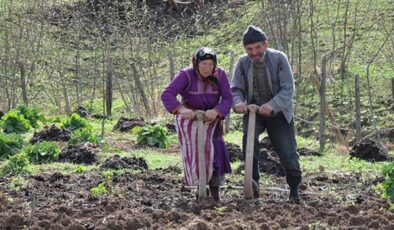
(140,88)
(358,114)
(172,65)
(230,74)
(109,87)
(22,69)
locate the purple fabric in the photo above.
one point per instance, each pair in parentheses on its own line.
(203,95)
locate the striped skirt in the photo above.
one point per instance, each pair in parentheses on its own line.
(188,139)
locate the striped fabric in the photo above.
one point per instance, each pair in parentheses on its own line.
(188,139)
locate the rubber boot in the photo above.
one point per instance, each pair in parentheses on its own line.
(215,193)
(294,182)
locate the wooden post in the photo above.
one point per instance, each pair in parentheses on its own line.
(358,113)
(108,94)
(230,76)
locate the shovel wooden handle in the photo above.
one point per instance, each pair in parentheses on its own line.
(202,179)
(248,187)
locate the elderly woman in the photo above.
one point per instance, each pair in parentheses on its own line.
(202,87)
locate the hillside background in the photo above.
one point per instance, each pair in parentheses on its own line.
(115,57)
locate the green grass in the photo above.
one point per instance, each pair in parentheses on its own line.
(332,163)
(64,168)
(234,137)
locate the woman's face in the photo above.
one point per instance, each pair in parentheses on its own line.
(205,67)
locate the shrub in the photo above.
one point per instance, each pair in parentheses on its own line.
(75,122)
(43,152)
(153,135)
(14,122)
(15,165)
(31,114)
(388,184)
(83,135)
(10,144)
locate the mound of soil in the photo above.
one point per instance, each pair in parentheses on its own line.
(51,133)
(127,124)
(170,127)
(81,111)
(307,152)
(99,116)
(368,150)
(234,152)
(269,162)
(117,162)
(1,114)
(78,154)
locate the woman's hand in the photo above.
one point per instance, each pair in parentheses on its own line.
(211,115)
(186,113)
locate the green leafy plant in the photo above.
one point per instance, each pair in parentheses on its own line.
(10,144)
(43,152)
(15,165)
(32,114)
(83,135)
(75,122)
(14,122)
(99,190)
(388,183)
(80,169)
(153,135)
(108,178)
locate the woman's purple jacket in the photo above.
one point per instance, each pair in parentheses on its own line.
(199,94)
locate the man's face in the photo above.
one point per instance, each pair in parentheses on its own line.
(205,67)
(256,50)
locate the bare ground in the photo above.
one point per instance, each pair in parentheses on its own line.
(156,199)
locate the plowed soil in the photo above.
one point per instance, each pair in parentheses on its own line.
(369,150)
(127,124)
(155,199)
(51,133)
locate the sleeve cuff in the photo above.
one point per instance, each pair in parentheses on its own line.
(175,111)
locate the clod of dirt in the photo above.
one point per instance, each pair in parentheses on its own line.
(3,202)
(82,112)
(127,124)
(234,152)
(78,154)
(170,169)
(368,150)
(51,133)
(1,114)
(307,152)
(14,221)
(117,162)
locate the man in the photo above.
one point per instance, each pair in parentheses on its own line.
(263,77)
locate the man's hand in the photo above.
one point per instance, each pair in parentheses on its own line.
(265,110)
(241,107)
(186,113)
(211,115)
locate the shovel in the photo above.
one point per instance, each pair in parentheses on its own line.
(202,179)
(248,187)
